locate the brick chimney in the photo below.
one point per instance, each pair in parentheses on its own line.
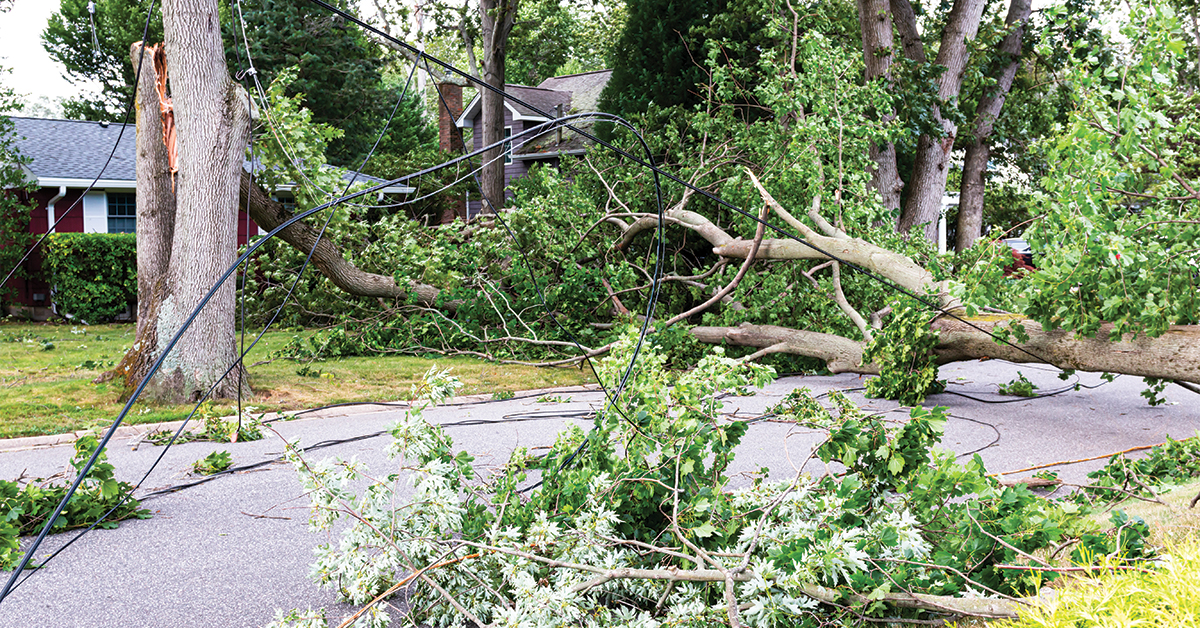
(449,139)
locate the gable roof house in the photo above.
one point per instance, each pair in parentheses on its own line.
(558,95)
(64,158)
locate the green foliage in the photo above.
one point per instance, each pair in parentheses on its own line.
(337,68)
(1019,387)
(68,40)
(656,57)
(1117,242)
(14,188)
(213,463)
(215,429)
(1172,462)
(24,509)
(1126,597)
(903,350)
(645,491)
(94,274)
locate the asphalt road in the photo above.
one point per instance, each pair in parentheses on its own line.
(229,552)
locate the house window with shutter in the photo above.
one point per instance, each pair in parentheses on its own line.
(122,212)
(508,145)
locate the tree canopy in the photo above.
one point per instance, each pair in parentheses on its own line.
(103,58)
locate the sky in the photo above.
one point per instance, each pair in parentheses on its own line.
(33,74)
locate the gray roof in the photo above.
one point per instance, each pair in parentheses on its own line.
(584,88)
(72,149)
(585,91)
(576,93)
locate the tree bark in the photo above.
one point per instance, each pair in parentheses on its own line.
(875,22)
(969,226)
(155,220)
(928,182)
(496,22)
(213,121)
(971,194)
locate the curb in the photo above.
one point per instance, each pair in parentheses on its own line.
(136,431)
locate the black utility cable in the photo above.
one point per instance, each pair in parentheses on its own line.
(95,455)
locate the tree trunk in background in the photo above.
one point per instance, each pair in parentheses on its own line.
(155,221)
(496,22)
(928,182)
(970,201)
(970,195)
(875,21)
(213,122)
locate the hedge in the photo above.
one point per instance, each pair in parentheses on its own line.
(94,275)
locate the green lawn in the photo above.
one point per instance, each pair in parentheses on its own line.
(46,373)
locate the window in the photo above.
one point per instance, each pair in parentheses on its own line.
(122,212)
(508,145)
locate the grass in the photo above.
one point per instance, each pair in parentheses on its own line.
(1164,597)
(46,373)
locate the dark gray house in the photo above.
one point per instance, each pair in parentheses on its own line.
(574,93)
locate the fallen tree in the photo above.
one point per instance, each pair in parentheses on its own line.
(1173,355)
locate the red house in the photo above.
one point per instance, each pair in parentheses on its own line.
(65,157)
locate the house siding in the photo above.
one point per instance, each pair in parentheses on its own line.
(512,172)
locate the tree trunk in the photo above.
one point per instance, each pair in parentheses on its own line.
(875,21)
(213,121)
(1174,356)
(496,22)
(928,182)
(971,196)
(155,220)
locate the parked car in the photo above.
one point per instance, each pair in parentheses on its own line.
(1022,256)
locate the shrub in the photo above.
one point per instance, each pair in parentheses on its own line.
(94,274)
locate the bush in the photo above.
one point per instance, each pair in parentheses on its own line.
(94,274)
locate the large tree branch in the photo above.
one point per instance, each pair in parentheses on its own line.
(269,214)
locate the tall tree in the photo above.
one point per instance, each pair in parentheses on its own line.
(929,91)
(658,57)
(496,19)
(340,70)
(69,40)
(987,111)
(212,118)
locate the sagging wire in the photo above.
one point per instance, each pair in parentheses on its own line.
(11,584)
(651,303)
(508,418)
(712,197)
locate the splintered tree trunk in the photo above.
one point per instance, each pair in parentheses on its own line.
(212,117)
(496,22)
(155,221)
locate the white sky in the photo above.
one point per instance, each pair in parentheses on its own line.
(33,75)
